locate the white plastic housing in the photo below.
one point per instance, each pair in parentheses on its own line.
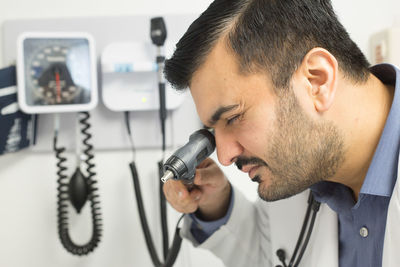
(130,79)
(21,75)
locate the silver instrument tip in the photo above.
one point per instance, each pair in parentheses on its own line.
(167,175)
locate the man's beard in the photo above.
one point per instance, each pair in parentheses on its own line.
(301,152)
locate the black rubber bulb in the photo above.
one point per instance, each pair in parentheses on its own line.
(78,190)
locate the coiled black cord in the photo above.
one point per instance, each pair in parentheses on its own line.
(63,195)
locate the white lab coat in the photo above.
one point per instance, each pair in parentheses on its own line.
(255,231)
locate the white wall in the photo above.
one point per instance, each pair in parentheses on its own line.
(28,183)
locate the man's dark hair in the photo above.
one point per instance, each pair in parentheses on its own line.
(266,35)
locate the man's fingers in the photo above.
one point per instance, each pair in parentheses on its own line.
(209,194)
(205,163)
(174,190)
(210,173)
(195,195)
(190,202)
(180,198)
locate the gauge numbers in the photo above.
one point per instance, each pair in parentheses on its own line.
(50,77)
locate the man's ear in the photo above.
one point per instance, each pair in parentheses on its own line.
(320,70)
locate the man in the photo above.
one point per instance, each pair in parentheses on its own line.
(292,101)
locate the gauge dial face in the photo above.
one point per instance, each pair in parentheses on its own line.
(50,78)
(57,71)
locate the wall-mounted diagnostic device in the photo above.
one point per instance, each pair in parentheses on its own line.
(56,72)
(129,78)
(384,46)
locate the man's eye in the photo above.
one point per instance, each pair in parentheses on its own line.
(232,120)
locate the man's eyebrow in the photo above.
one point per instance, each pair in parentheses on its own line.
(217,114)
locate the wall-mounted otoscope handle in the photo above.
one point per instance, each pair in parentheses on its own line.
(158,34)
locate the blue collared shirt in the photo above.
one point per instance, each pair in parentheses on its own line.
(362,223)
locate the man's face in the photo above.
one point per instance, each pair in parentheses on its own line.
(266,134)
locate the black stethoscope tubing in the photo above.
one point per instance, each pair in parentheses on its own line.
(312,210)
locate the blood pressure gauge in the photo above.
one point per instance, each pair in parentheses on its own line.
(56,72)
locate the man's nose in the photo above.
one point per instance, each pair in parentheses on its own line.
(228,148)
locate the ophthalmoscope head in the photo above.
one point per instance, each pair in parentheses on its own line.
(183,162)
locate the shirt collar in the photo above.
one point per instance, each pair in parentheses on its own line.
(382,172)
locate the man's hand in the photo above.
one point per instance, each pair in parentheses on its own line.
(209,197)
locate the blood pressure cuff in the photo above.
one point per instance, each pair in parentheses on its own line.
(16,128)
